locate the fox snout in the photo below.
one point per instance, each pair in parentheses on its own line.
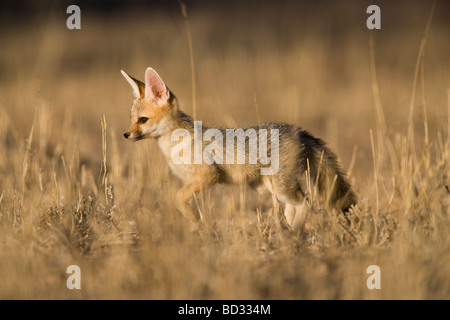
(133,136)
(129,136)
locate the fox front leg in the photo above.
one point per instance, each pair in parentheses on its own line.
(184,205)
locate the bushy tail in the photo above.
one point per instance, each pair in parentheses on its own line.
(333,184)
(323,166)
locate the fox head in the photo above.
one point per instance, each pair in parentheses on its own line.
(153,108)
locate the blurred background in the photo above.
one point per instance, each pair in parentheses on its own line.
(303,62)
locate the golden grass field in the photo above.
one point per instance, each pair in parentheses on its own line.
(73,191)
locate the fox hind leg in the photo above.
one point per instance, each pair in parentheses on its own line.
(295,215)
(289,213)
(298,221)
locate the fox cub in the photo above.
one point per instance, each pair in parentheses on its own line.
(291,163)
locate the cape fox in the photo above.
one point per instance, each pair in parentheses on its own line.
(303,162)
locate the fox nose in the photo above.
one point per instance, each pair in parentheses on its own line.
(126,135)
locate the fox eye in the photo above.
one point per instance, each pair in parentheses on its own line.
(142,120)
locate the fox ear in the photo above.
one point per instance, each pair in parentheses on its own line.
(155,88)
(138,86)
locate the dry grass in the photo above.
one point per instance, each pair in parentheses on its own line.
(73,191)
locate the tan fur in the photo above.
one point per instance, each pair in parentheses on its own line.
(300,155)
